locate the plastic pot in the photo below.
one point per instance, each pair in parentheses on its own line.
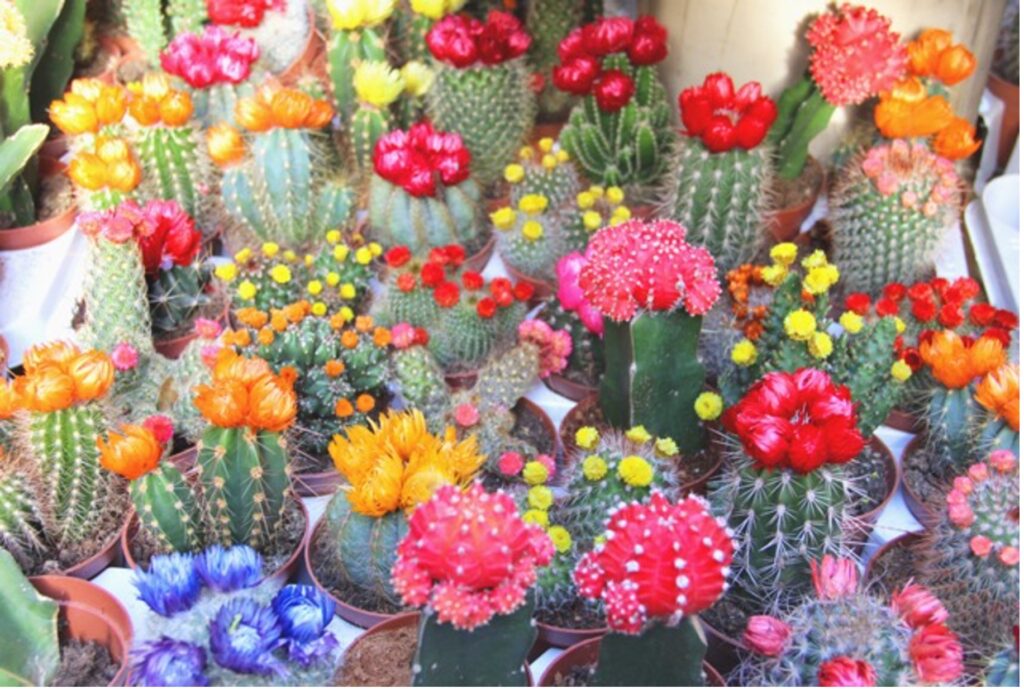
(784,223)
(312,60)
(586,653)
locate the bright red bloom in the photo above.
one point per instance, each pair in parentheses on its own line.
(420,158)
(920,291)
(446,295)
(894,291)
(924,310)
(216,57)
(161,427)
(572,45)
(576,75)
(501,286)
(884,307)
(963,289)
(397,256)
(982,314)
(486,308)
(455,254)
(607,35)
(650,42)
(798,420)
(406,282)
(472,280)
(950,316)
(859,303)
(175,241)
(846,672)
(613,90)
(723,118)
(918,606)
(936,654)
(432,274)
(1007,320)
(461,40)
(998,334)
(912,358)
(246,13)
(523,291)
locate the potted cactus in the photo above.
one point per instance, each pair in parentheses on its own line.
(469,561)
(151,26)
(390,467)
(548,22)
(663,563)
(377,85)
(357,35)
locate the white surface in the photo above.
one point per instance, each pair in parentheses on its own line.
(992,224)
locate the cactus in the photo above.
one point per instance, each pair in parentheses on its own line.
(168,510)
(420,381)
(889,210)
(152,23)
(176,296)
(377,86)
(720,177)
(490,104)
(1003,670)
(16,153)
(548,22)
(999,393)
(355,38)
(32,619)
(587,358)
(430,203)
(21,521)
(105,173)
(652,375)
(844,631)
(469,558)
(544,169)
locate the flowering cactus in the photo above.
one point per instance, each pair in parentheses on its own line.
(471,560)
(377,86)
(152,24)
(355,37)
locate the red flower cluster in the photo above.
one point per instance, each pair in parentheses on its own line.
(216,57)
(798,421)
(174,240)
(580,53)
(723,118)
(416,159)
(247,13)
(639,577)
(462,40)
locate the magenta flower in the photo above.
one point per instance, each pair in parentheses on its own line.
(124,356)
(216,57)
(570,294)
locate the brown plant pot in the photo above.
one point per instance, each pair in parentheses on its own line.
(173,347)
(286,571)
(91,614)
(1010,95)
(586,653)
(313,59)
(184,461)
(553,636)
(91,566)
(479,260)
(542,289)
(784,223)
(904,540)
(924,513)
(549,130)
(461,380)
(44,232)
(903,421)
(316,484)
(561,385)
(865,523)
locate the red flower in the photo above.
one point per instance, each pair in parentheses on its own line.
(724,119)
(406,282)
(576,75)
(919,291)
(461,40)
(446,295)
(918,606)
(940,285)
(846,672)
(650,42)
(912,358)
(472,280)
(894,291)
(501,290)
(246,13)
(982,314)
(950,316)
(486,308)
(175,241)
(432,274)
(885,307)
(502,38)
(998,334)
(834,577)
(397,256)
(455,254)
(216,57)
(923,310)
(962,289)
(421,336)
(613,90)
(414,160)
(523,291)
(766,635)
(572,45)
(798,420)
(936,654)
(859,303)
(607,35)
(1006,320)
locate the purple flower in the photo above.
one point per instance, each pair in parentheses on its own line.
(170,585)
(304,613)
(230,569)
(169,663)
(244,636)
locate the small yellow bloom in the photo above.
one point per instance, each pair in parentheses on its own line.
(594,468)
(347,291)
(549,161)
(596,189)
(784,254)
(815,260)
(375,248)
(270,249)
(535,473)
(503,218)
(800,324)
(308,260)
(418,78)
(340,252)
(244,255)
(290,256)
(901,371)
(332,279)
(562,155)
(818,280)
(587,437)
(638,434)
(363,256)
(532,204)
(774,274)
(900,325)
(280,274)
(620,214)
(539,497)
(820,345)
(246,290)
(538,517)
(585,200)
(592,220)
(377,83)
(318,309)
(526,153)
(333,236)
(615,195)
(436,9)
(533,230)
(315,287)
(744,353)
(346,314)
(560,538)
(852,322)
(666,447)
(546,144)
(514,173)
(708,406)
(636,471)
(226,272)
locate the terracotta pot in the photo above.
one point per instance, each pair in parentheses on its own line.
(644,211)
(542,289)
(904,540)
(91,614)
(1010,128)
(461,380)
(924,513)
(587,652)
(561,385)
(313,59)
(865,523)
(91,566)
(409,619)
(550,130)
(566,637)
(31,236)
(286,571)
(526,406)
(316,484)
(478,261)
(904,421)
(784,223)
(173,347)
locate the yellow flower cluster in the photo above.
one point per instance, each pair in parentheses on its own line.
(436,9)
(530,205)
(377,83)
(15,47)
(549,158)
(802,326)
(349,15)
(599,204)
(417,78)
(539,500)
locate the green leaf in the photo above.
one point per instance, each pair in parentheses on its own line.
(30,654)
(17,150)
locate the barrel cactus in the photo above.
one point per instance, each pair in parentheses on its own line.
(544,168)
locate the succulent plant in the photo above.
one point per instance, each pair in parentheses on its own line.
(544,168)
(22,533)
(357,35)
(548,22)
(33,661)
(1003,669)
(153,23)
(378,86)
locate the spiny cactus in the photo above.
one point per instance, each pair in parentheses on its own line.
(356,36)
(846,636)
(152,23)
(21,521)
(1003,669)
(391,467)
(377,85)
(469,559)
(32,618)
(105,172)
(719,175)
(544,169)
(430,202)
(619,133)
(482,87)
(548,22)
(999,393)
(889,209)
(190,369)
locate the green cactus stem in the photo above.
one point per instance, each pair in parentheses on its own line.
(803,114)
(167,509)
(661,656)
(59,57)
(345,50)
(176,295)
(116,305)
(16,154)
(175,166)
(31,619)
(216,103)
(21,520)
(421,223)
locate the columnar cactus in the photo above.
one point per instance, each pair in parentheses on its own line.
(469,559)
(377,86)
(889,209)
(662,563)
(787,495)
(845,636)
(619,133)
(482,87)
(391,467)
(32,618)
(652,288)
(21,521)
(720,175)
(548,22)
(356,37)
(421,194)
(152,23)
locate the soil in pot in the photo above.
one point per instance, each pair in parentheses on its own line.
(871,468)
(893,566)
(577,615)
(729,616)
(383,660)
(789,193)
(106,532)
(535,429)
(84,664)
(919,478)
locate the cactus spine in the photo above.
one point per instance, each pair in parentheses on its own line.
(450,216)
(347,48)
(176,295)
(175,165)
(548,22)
(153,25)
(168,510)
(21,521)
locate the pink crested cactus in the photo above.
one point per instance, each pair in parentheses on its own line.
(660,560)
(854,55)
(469,556)
(927,183)
(555,345)
(570,294)
(637,265)
(215,57)
(983,506)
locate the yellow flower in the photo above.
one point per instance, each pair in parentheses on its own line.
(585,200)
(514,173)
(244,255)
(226,272)
(852,322)
(533,230)
(280,274)
(636,471)
(774,274)
(538,517)
(549,161)
(418,78)
(820,345)
(815,260)
(784,254)
(377,11)
(332,279)
(315,287)
(340,252)
(16,49)
(333,236)
(375,248)
(318,309)
(436,9)
(587,437)
(592,220)
(246,290)
(666,447)
(615,195)
(638,434)
(526,153)
(900,325)
(596,189)
(560,538)
(348,15)
(532,204)
(377,83)
(308,260)
(535,473)
(290,256)
(901,371)
(594,468)
(562,155)
(620,215)
(818,280)
(744,353)
(800,324)
(708,406)
(539,497)
(503,218)
(363,256)
(346,314)
(347,291)
(546,144)
(270,249)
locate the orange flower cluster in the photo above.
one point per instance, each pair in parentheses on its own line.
(245,392)
(225,144)
(132,453)
(88,106)
(934,55)
(57,375)
(277,106)
(910,111)
(956,362)
(108,163)
(154,101)
(999,392)
(749,319)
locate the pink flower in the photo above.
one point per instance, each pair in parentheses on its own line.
(161,426)
(548,462)
(834,578)
(1009,556)
(510,463)
(936,654)
(118,225)
(963,485)
(961,515)
(554,346)
(846,672)
(918,606)
(216,57)
(766,635)
(467,415)
(978,472)
(980,546)
(207,329)
(403,335)
(124,356)
(1003,461)
(209,354)
(570,294)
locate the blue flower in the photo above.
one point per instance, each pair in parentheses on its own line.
(169,663)
(231,569)
(244,636)
(304,613)
(171,584)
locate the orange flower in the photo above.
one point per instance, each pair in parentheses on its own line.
(955,365)
(155,85)
(955,64)
(59,353)
(265,337)
(999,392)
(253,114)
(48,389)
(320,115)
(364,323)
(176,108)
(74,115)
(334,368)
(289,374)
(924,51)
(253,318)
(907,112)
(365,403)
(124,175)
(93,373)
(956,140)
(87,171)
(290,108)
(10,400)
(349,339)
(224,403)
(112,149)
(111,105)
(278,321)
(245,370)
(297,311)
(145,111)
(381,337)
(133,453)
(343,409)
(985,355)
(225,144)
(272,403)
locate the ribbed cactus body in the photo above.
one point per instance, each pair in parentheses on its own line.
(721,199)
(996,434)
(412,29)
(629,146)
(950,417)
(145,23)
(345,50)
(369,123)
(116,305)
(245,481)
(491,107)
(548,22)
(508,377)
(559,184)
(175,167)
(421,223)
(462,337)
(167,509)
(176,396)
(216,104)
(421,382)
(21,520)
(534,257)
(175,296)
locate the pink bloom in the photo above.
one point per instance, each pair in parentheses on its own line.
(978,472)
(161,426)
(936,654)
(980,546)
(554,346)
(403,335)
(216,57)
(570,294)
(834,578)
(209,354)
(124,356)
(846,672)
(549,463)
(510,463)
(1003,461)
(766,635)
(917,606)
(118,225)
(963,485)
(207,329)
(961,515)
(1009,556)
(467,415)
